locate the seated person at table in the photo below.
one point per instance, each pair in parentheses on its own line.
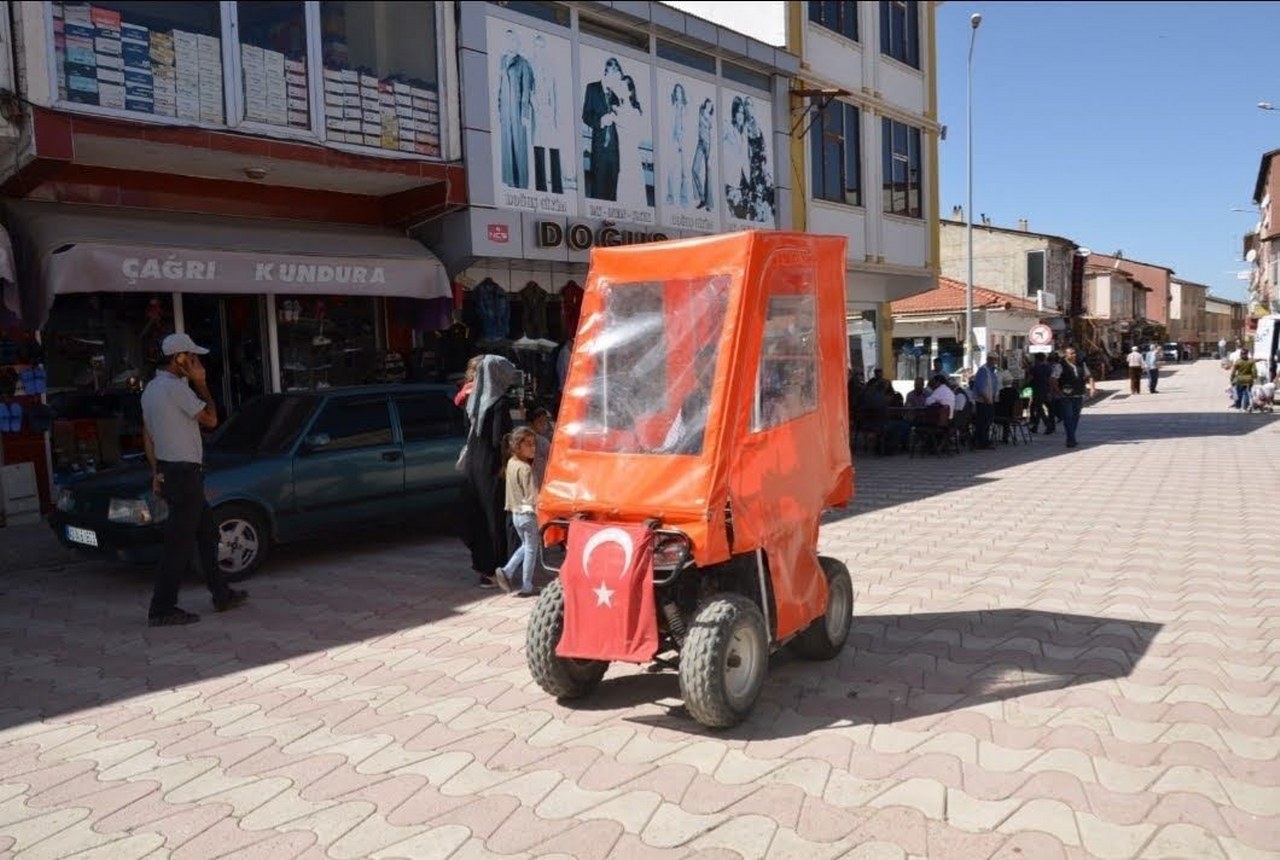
(916,397)
(940,392)
(964,396)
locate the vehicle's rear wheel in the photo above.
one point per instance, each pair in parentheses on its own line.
(824,638)
(243,540)
(724,661)
(562,677)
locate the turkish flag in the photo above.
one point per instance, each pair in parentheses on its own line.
(607,577)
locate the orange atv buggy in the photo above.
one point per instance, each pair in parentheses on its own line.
(702,432)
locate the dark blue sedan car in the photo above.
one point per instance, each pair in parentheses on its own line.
(285,468)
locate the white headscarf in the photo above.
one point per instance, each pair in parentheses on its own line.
(494,376)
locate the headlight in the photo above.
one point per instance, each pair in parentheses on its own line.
(669,552)
(66,501)
(139,512)
(134,511)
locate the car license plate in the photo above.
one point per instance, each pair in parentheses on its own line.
(82,536)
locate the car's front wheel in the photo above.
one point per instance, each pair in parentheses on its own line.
(243,540)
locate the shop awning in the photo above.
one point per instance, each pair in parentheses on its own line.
(68,248)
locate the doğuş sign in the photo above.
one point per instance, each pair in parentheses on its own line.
(580,237)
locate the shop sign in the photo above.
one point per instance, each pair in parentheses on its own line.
(580,237)
(499,233)
(136,269)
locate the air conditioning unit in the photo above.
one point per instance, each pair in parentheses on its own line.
(1046,301)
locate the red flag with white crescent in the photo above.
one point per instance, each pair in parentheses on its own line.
(609,609)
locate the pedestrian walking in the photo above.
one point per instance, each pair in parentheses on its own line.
(483,520)
(1243,373)
(1152,364)
(175,405)
(1135,370)
(1222,349)
(521,496)
(1070,380)
(1042,410)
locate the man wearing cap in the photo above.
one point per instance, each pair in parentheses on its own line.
(175,405)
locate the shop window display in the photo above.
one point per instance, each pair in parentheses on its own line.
(100,349)
(154,58)
(273,63)
(380,75)
(326,341)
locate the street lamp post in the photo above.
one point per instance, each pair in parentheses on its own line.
(974,20)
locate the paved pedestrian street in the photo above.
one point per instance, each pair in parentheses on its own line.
(1056,654)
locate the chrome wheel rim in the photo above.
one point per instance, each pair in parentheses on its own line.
(740,663)
(238,544)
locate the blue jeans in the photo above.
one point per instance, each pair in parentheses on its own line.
(1153,378)
(526,555)
(1242,396)
(1069,409)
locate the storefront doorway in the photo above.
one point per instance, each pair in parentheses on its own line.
(233,329)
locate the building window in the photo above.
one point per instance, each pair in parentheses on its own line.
(900,31)
(902,173)
(745,76)
(839,17)
(380,75)
(1035,272)
(153,58)
(686,56)
(378,88)
(637,39)
(836,154)
(552,13)
(273,61)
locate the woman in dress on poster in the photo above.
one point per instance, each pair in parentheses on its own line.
(677,178)
(702,157)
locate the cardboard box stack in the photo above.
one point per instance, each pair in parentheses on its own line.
(387,114)
(275,88)
(115,63)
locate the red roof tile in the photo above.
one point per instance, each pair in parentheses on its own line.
(949,296)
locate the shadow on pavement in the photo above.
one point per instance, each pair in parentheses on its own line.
(903,667)
(883,482)
(75,636)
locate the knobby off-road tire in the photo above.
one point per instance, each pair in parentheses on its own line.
(562,677)
(724,661)
(826,635)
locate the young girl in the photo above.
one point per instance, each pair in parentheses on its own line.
(522,492)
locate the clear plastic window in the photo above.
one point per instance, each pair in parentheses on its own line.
(652,355)
(787,385)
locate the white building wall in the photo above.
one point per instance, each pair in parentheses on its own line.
(885,251)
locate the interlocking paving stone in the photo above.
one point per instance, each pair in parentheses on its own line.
(1054,654)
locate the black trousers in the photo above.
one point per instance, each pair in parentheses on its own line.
(187,532)
(1043,411)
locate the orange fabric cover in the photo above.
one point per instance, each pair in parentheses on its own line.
(779,480)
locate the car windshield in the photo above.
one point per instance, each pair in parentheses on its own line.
(265,425)
(652,356)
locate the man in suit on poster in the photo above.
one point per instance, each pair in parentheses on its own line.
(598,113)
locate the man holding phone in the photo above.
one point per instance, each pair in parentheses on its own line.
(175,405)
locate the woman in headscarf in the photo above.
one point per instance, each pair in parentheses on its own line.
(484,528)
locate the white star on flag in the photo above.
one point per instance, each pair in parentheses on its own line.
(604,595)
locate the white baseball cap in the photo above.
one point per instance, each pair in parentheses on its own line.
(176,343)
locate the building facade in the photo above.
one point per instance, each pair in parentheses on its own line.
(248,173)
(1262,245)
(1225,320)
(1186,313)
(929,327)
(863,108)
(589,124)
(1018,262)
(1154,277)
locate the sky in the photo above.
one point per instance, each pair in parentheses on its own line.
(1121,126)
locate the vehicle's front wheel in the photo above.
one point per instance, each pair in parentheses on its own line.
(243,541)
(824,638)
(724,661)
(562,677)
